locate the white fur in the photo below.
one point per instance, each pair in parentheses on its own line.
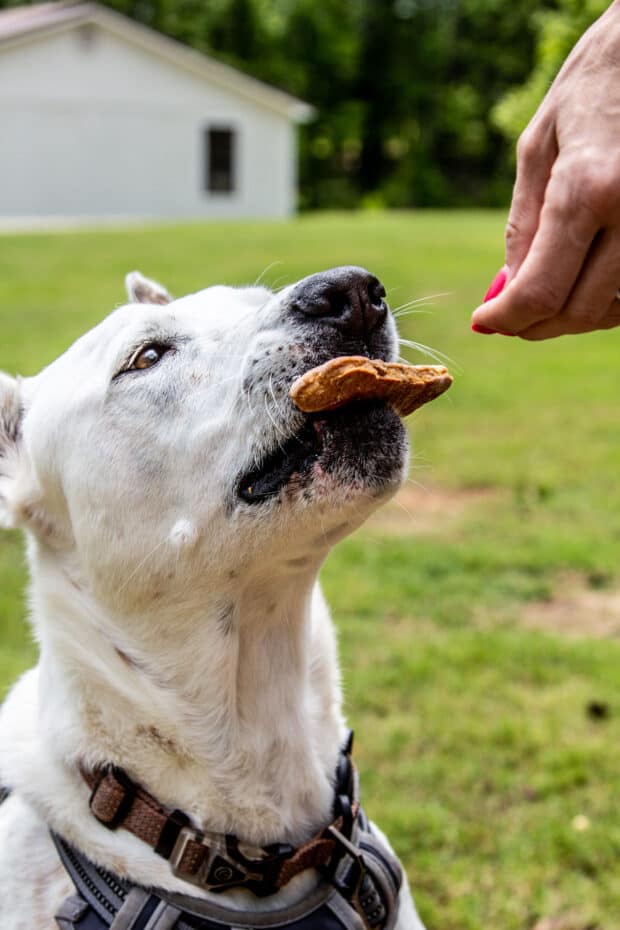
(183,534)
(138,562)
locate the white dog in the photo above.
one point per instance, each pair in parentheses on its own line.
(177,508)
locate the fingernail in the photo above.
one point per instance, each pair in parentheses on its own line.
(478,328)
(497,284)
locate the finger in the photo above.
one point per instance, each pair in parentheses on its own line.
(597,284)
(553,263)
(593,294)
(536,152)
(612,317)
(559,327)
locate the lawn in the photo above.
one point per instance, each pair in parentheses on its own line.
(478,618)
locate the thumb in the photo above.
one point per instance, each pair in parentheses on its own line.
(536,153)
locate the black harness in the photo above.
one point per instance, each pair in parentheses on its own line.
(358,891)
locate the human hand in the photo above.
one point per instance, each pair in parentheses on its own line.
(562,268)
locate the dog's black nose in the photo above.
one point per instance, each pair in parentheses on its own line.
(349,298)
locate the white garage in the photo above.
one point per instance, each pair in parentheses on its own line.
(102,118)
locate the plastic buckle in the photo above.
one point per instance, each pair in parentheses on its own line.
(219,871)
(261,872)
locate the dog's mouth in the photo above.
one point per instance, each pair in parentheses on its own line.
(361,445)
(351,429)
(295,457)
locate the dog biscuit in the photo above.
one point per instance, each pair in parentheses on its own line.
(351,378)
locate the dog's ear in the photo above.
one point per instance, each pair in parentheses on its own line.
(10,421)
(20,495)
(141,290)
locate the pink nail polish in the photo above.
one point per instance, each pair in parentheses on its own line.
(478,328)
(497,284)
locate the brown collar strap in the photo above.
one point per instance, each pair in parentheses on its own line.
(214,861)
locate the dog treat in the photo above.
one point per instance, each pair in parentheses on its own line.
(354,377)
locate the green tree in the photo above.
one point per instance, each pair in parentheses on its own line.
(238,34)
(321,48)
(430,74)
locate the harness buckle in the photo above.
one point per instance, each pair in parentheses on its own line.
(217,871)
(185,836)
(355,882)
(357,867)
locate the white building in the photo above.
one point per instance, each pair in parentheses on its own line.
(101,117)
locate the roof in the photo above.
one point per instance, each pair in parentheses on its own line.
(25,23)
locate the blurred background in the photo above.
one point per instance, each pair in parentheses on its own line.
(413,103)
(478,613)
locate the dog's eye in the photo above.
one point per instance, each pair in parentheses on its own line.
(148,356)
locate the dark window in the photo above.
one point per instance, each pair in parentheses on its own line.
(220,160)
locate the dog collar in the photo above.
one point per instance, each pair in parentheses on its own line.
(217,862)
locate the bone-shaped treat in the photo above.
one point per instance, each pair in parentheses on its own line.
(349,378)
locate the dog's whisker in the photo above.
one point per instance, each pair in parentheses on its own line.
(277,428)
(405,509)
(399,311)
(275,288)
(418,485)
(267,269)
(416,301)
(246,393)
(416,311)
(440,357)
(141,564)
(278,405)
(421,300)
(216,384)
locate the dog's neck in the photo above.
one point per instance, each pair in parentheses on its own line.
(230,712)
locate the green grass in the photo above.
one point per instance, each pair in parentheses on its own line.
(475,747)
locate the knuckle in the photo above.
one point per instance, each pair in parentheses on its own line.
(541,301)
(611,318)
(517,235)
(585,317)
(527,145)
(512,232)
(598,187)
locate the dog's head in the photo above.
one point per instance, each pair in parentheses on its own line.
(162,450)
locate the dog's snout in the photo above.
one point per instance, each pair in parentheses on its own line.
(350,298)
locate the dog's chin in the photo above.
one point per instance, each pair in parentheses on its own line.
(360,449)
